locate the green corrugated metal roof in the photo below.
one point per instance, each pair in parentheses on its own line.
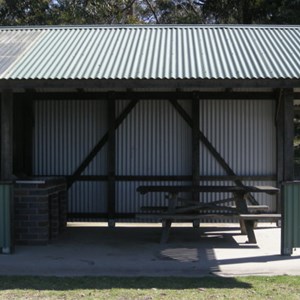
(150,52)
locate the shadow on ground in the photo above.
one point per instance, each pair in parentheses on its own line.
(104,283)
(136,252)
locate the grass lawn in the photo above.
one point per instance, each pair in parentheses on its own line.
(279,287)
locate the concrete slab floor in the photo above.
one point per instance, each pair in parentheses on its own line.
(93,249)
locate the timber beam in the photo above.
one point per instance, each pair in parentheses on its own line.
(117,84)
(131,95)
(166,178)
(195,145)
(111,155)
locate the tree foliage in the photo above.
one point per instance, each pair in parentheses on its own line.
(252,11)
(41,12)
(14,12)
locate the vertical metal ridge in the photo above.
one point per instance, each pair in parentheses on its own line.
(243,132)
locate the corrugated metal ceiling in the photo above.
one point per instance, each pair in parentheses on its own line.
(150,52)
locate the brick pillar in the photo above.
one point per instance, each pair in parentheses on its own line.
(40,210)
(31,216)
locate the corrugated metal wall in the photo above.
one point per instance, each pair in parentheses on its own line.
(243,132)
(64,134)
(152,140)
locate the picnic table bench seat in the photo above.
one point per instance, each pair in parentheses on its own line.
(164,208)
(246,213)
(256,217)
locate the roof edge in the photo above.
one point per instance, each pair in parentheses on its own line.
(126,26)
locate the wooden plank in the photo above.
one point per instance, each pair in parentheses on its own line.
(206,189)
(153,178)
(116,84)
(168,222)
(255,207)
(195,146)
(130,95)
(23,134)
(166,230)
(287,154)
(247,226)
(165,178)
(111,198)
(279,145)
(7,135)
(178,208)
(99,215)
(266,188)
(288,135)
(260,216)
(187,217)
(28,133)
(154,208)
(100,144)
(205,208)
(18,137)
(279,136)
(190,178)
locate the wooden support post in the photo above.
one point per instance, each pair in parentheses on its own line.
(279,137)
(286,151)
(18,137)
(23,135)
(111,115)
(28,134)
(279,149)
(288,134)
(7,135)
(195,145)
(285,138)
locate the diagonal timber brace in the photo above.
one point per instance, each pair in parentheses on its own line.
(210,148)
(101,143)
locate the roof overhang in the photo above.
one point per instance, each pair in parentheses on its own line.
(141,84)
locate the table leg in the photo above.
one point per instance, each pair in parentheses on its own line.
(246,225)
(172,203)
(166,231)
(243,227)
(249,224)
(196,223)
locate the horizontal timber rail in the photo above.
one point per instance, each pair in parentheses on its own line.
(100,215)
(168,178)
(147,96)
(125,84)
(256,217)
(187,217)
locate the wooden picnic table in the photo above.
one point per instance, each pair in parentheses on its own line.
(192,210)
